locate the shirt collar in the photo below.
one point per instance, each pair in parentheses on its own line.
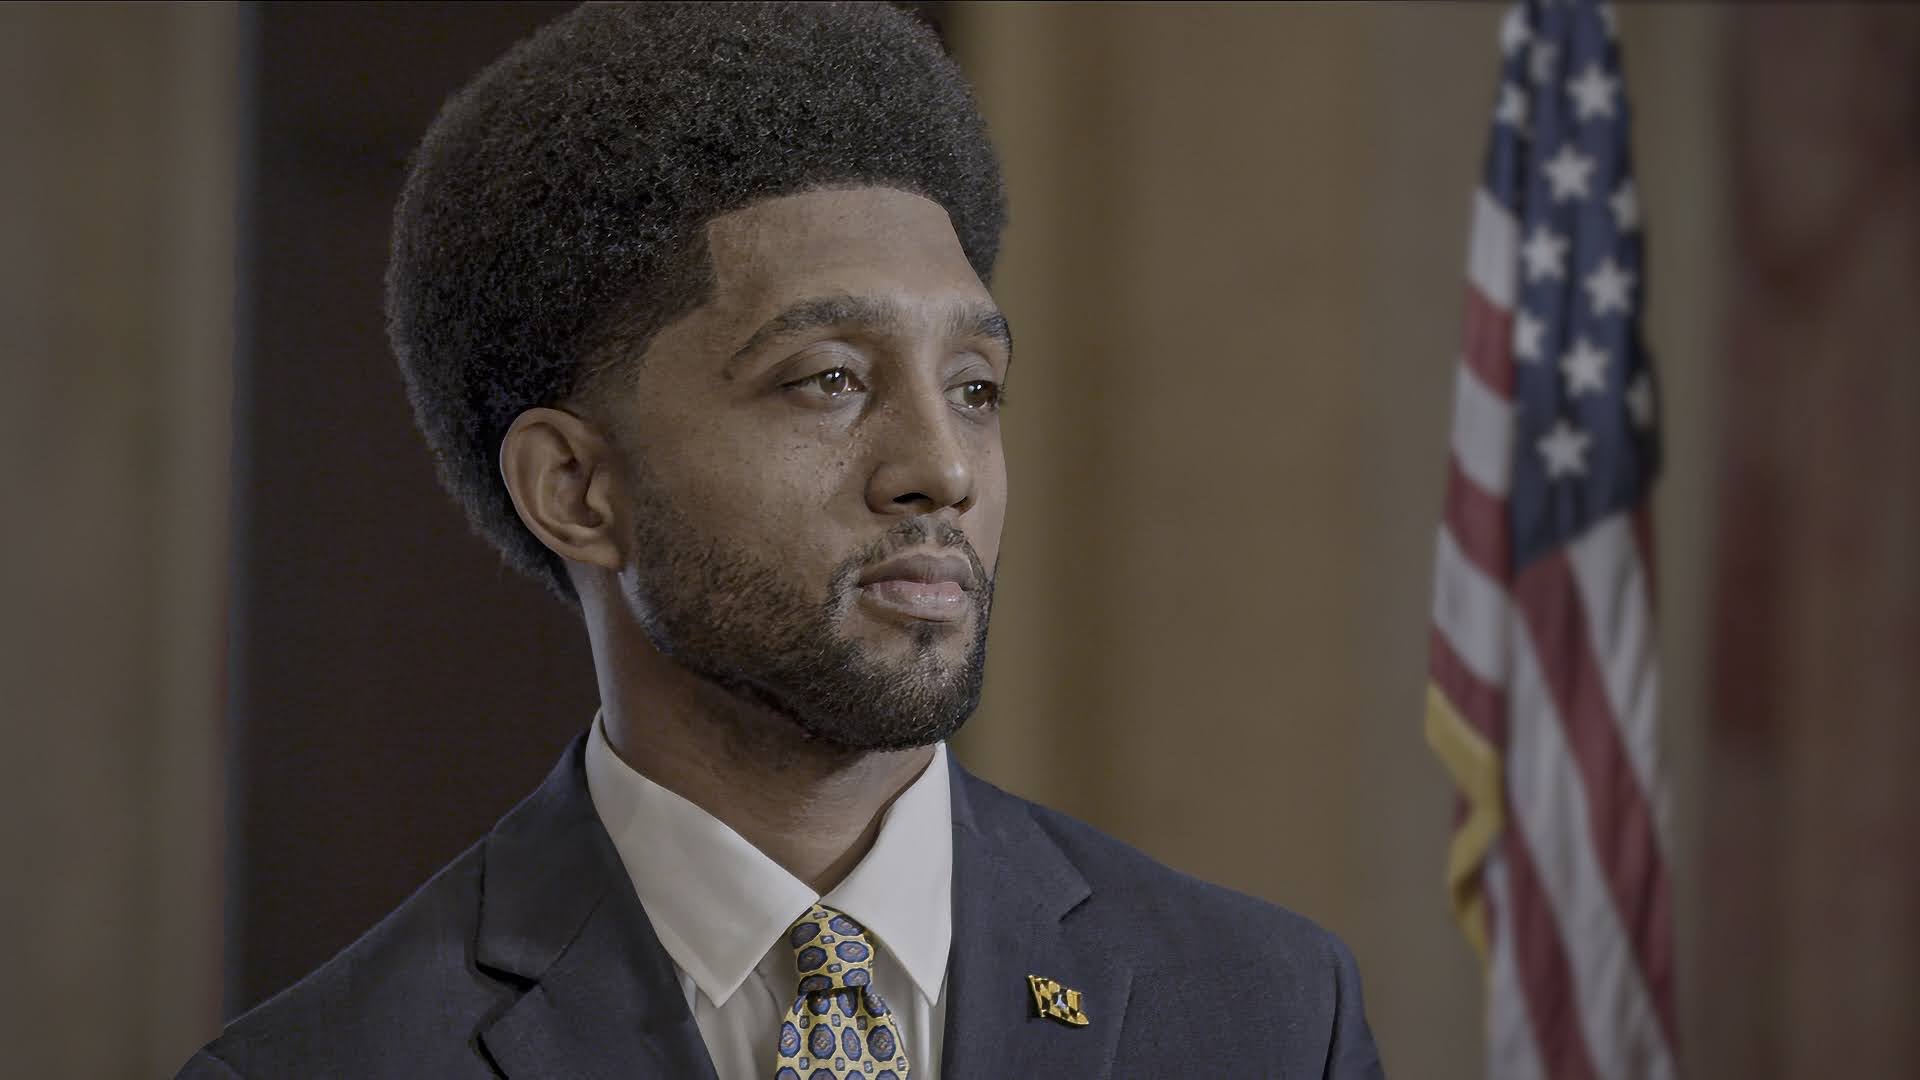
(718,904)
(902,892)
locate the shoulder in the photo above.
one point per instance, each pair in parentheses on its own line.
(1260,977)
(1134,890)
(385,1005)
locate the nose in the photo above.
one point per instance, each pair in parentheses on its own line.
(924,463)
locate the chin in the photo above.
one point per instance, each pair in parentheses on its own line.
(920,646)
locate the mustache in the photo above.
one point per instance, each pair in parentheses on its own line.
(911,533)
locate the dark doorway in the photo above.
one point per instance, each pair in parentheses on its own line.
(394,688)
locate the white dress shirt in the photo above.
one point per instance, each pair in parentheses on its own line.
(721,909)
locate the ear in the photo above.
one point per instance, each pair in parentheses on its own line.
(565,481)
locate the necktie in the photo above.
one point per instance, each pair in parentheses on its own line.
(838,1028)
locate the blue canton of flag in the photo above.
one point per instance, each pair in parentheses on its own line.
(1586,443)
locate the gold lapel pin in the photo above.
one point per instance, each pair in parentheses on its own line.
(1056,1002)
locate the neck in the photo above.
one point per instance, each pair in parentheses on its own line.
(813,808)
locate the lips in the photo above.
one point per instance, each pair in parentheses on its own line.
(925,568)
(923,586)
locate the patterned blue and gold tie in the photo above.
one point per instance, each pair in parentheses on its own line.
(838,1028)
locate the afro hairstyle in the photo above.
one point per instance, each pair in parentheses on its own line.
(556,209)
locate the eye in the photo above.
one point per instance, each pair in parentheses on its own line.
(979,395)
(833,383)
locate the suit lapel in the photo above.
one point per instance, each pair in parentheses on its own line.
(1014,894)
(559,918)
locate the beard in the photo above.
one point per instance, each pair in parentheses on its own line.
(732,618)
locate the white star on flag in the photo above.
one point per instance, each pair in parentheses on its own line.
(1585,367)
(1513,30)
(1625,204)
(1527,334)
(1568,173)
(1545,254)
(1513,108)
(1592,92)
(1640,400)
(1565,450)
(1608,286)
(1542,58)
(1607,20)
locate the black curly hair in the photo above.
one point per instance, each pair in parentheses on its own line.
(554,217)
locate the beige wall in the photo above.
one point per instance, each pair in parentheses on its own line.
(116,278)
(1235,278)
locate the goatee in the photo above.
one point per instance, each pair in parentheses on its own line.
(733,619)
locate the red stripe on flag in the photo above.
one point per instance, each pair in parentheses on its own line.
(1478,522)
(1619,816)
(1546,979)
(1489,342)
(1481,704)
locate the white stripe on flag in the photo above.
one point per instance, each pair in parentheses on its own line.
(1550,809)
(1470,611)
(1493,250)
(1511,1053)
(1482,432)
(1613,591)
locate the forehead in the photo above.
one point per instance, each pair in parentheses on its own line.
(857,241)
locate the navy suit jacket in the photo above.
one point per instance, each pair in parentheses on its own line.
(530,956)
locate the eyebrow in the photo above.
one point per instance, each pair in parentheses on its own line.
(976,320)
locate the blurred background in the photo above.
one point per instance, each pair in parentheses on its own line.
(259,681)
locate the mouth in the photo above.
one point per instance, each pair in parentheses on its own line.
(923,586)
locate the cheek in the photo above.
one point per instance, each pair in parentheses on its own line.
(774,495)
(988,516)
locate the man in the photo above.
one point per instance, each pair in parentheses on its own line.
(690,302)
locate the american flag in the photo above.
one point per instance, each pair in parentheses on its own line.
(1542,702)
